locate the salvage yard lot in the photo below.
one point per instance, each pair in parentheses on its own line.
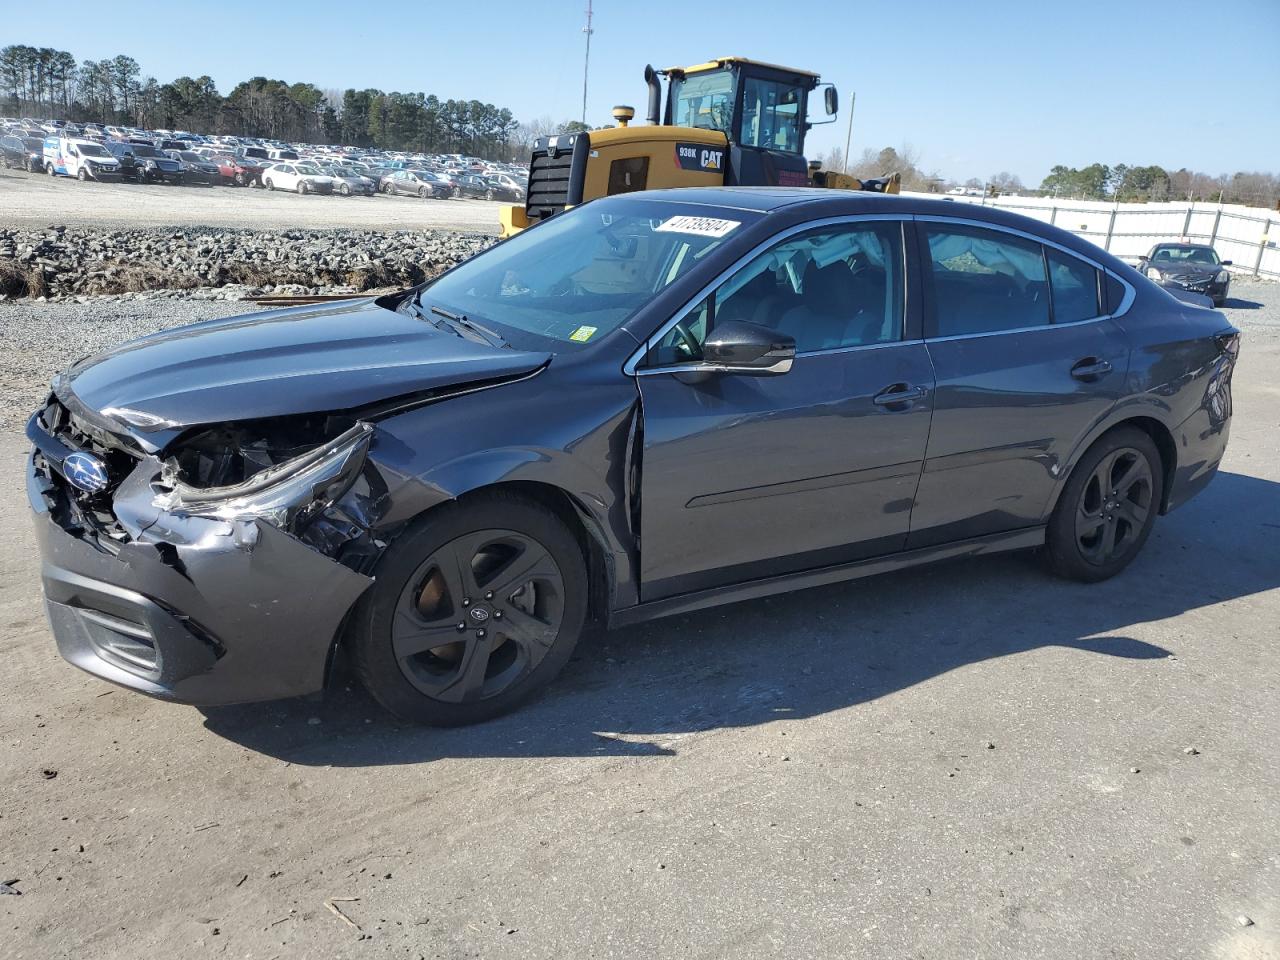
(36,200)
(976,760)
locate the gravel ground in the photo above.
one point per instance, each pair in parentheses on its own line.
(974,760)
(35,200)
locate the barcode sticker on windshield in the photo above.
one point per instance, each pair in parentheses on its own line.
(699,226)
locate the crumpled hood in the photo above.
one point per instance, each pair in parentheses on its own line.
(1185,268)
(305,359)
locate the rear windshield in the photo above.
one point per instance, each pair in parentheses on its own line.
(579,276)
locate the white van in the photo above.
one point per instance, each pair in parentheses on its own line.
(82,159)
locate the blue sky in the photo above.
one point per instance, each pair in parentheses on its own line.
(976,88)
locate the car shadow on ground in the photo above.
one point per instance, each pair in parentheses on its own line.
(636,691)
(1235,303)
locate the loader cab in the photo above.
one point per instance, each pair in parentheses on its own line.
(727,122)
(755,105)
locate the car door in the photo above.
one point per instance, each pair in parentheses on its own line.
(744,476)
(1027,362)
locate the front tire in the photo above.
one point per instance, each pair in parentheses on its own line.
(82,175)
(302,187)
(269,183)
(1108,507)
(474,609)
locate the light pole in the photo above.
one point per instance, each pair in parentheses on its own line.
(586,61)
(848,137)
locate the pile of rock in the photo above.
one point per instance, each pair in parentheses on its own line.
(70,262)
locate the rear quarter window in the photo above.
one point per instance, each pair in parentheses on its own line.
(1075,288)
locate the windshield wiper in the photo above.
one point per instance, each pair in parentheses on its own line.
(461,320)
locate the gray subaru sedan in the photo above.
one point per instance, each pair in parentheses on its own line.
(647,405)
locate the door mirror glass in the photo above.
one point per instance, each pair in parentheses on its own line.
(740,347)
(831,100)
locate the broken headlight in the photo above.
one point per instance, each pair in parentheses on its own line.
(286,493)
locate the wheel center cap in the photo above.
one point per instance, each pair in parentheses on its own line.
(480,614)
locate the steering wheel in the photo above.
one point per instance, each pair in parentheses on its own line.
(688,342)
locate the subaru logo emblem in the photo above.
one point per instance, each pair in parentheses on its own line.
(479,614)
(85,472)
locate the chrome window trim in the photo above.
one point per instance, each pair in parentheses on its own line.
(631,367)
(1125,303)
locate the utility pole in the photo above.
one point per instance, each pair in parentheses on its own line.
(848,137)
(586,62)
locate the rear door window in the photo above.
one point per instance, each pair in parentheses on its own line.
(983,281)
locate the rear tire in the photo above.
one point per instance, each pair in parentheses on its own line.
(1108,507)
(523,609)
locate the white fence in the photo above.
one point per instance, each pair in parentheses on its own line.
(1247,236)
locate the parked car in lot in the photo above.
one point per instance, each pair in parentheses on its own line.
(302,177)
(418,183)
(197,169)
(650,404)
(348,181)
(82,159)
(242,171)
(504,188)
(473,185)
(143,162)
(22,153)
(1189,266)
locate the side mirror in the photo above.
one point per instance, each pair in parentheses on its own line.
(831,100)
(1226,263)
(737,347)
(1143,259)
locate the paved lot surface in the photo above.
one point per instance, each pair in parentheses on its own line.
(971,761)
(35,200)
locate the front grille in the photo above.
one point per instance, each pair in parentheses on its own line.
(75,510)
(555,175)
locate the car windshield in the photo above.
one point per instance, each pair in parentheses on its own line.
(1206,255)
(142,150)
(91,150)
(190,157)
(31,143)
(704,100)
(309,170)
(577,277)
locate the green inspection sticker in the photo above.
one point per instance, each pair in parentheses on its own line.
(583,334)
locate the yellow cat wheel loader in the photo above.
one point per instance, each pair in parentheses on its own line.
(729,121)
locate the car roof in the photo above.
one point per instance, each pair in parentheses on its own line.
(817,202)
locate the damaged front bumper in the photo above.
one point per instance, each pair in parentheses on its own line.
(194,609)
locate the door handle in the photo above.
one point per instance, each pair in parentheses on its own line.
(899,393)
(1090,369)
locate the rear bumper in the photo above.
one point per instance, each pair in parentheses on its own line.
(194,611)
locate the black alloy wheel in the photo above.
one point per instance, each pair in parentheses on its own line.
(480,613)
(1114,506)
(1108,507)
(472,610)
